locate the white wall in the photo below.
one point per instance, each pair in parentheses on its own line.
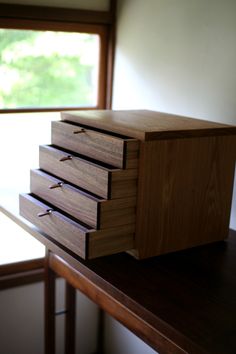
(102,5)
(22,321)
(119,340)
(21,327)
(177,56)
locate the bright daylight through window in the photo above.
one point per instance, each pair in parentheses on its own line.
(48,69)
(51,59)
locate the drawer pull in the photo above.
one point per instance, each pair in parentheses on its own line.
(82,130)
(47,212)
(65,158)
(56,185)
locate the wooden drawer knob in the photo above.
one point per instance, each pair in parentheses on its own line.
(82,130)
(47,212)
(65,158)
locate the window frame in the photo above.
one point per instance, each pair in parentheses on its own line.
(101,23)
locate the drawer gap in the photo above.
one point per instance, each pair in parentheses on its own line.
(107,132)
(84,226)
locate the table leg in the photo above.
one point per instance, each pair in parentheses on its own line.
(100,332)
(49,308)
(70,323)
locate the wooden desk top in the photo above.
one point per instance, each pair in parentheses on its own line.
(185,302)
(178,303)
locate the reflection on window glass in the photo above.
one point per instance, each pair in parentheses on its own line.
(48,69)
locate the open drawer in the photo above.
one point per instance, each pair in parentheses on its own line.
(86,207)
(98,178)
(78,238)
(114,149)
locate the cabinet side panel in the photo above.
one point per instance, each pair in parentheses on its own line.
(184,193)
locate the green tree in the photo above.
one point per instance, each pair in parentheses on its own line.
(30,77)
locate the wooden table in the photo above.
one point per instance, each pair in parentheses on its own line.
(183,302)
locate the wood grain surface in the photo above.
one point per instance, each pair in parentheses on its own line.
(73,201)
(80,239)
(184,194)
(183,302)
(107,148)
(91,176)
(94,211)
(110,241)
(148,125)
(178,303)
(65,231)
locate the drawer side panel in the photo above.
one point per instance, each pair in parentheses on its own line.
(111,241)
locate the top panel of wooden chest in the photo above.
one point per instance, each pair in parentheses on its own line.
(148,125)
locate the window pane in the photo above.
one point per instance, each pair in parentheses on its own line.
(48,69)
(25,247)
(20,137)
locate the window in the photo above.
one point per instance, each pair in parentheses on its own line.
(51,59)
(55,59)
(48,69)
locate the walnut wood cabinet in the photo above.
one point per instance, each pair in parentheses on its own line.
(139,181)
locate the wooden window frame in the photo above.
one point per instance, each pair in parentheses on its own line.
(22,273)
(69,20)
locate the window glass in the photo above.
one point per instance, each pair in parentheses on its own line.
(16,244)
(20,137)
(48,69)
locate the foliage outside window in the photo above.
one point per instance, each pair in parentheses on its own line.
(48,69)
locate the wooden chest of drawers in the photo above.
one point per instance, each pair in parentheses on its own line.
(138,181)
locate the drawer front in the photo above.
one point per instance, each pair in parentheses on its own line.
(71,200)
(85,242)
(114,150)
(80,172)
(62,229)
(93,211)
(105,182)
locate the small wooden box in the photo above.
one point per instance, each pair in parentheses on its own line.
(164,181)
(185,178)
